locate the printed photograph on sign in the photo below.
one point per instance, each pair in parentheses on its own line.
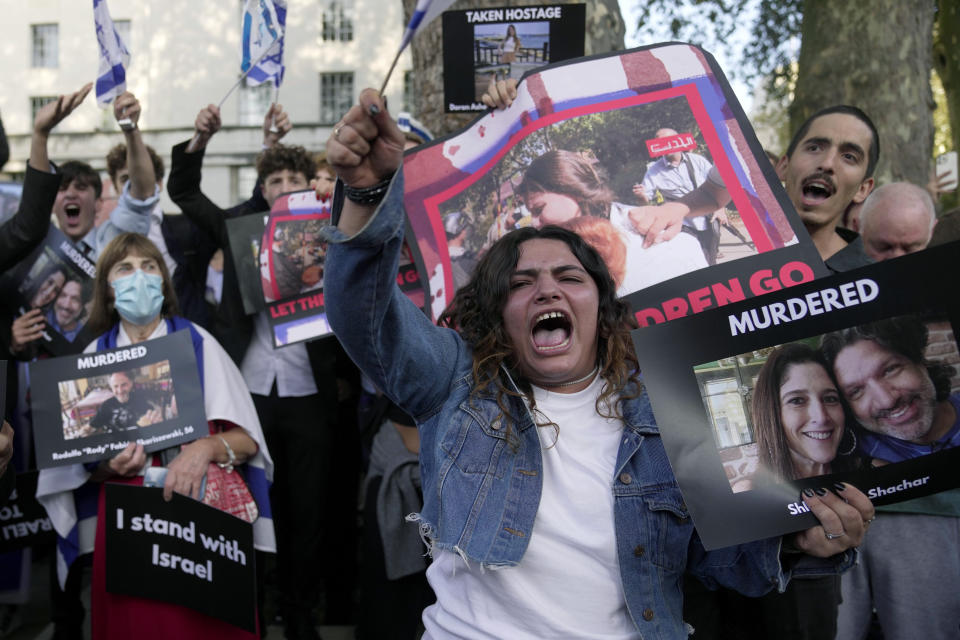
(604,146)
(508,50)
(90,406)
(863,396)
(55,289)
(294,263)
(850,379)
(582,173)
(123,400)
(504,42)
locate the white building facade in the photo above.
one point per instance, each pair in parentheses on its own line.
(184,55)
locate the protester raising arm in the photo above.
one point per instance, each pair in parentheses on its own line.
(20,234)
(143,182)
(141,193)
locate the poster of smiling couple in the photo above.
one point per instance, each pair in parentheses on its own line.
(852,378)
(56,280)
(600,145)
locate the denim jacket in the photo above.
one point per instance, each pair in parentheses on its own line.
(480,491)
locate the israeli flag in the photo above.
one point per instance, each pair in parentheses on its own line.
(114,56)
(424,13)
(262,44)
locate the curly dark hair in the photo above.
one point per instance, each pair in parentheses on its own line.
(906,335)
(117,159)
(282,156)
(477,314)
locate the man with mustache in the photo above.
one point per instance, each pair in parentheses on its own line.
(66,317)
(904,404)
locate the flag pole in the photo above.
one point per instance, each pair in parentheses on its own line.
(191,147)
(393,64)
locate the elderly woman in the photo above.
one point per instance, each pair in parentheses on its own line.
(549,503)
(133,302)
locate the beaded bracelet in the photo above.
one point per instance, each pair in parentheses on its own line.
(368,195)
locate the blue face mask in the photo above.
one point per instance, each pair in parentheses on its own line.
(138,297)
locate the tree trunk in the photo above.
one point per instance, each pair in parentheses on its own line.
(604,32)
(946,60)
(876,56)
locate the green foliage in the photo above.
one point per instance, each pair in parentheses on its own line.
(774,34)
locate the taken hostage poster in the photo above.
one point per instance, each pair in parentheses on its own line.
(603,114)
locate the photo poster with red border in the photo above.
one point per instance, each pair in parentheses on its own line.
(291,265)
(621,99)
(709,383)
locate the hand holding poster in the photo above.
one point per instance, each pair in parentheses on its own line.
(182,551)
(852,378)
(572,150)
(55,284)
(89,407)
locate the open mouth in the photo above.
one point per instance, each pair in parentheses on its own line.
(551,331)
(819,435)
(72,211)
(816,189)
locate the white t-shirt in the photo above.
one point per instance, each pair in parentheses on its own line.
(567,584)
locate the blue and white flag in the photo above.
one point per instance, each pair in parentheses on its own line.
(262,46)
(423,14)
(114,56)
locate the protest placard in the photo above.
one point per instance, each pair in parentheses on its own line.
(588,133)
(56,278)
(279,260)
(245,233)
(23,520)
(90,406)
(504,42)
(183,551)
(852,378)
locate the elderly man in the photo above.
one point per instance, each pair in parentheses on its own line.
(828,165)
(129,408)
(904,404)
(897,219)
(674,175)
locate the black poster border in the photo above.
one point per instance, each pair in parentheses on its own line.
(53,449)
(667,354)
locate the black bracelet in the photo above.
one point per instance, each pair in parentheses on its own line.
(368,195)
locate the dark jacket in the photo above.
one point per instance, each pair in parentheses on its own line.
(28,227)
(232,327)
(191,248)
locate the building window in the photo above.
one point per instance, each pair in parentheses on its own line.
(408,99)
(36,103)
(255,102)
(123,29)
(337,21)
(336,96)
(245,179)
(45,49)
